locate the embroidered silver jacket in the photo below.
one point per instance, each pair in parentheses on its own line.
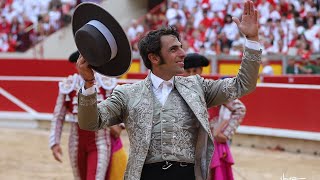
(133,105)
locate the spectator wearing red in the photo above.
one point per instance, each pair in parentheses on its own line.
(4,25)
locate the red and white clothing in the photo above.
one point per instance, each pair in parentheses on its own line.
(89,151)
(226,119)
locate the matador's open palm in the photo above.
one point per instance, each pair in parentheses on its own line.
(248,26)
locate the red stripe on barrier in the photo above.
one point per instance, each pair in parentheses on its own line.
(36,68)
(293,79)
(283,108)
(41,96)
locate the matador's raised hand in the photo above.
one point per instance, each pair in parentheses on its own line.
(85,71)
(249,26)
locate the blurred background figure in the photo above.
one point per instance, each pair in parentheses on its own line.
(224,121)
(318,65)
(266,67)
(93,155)
(308,67)
(293,67)
(194,63)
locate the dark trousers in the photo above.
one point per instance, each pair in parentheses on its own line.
(161,171)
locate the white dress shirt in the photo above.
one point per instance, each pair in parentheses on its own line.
(161,88)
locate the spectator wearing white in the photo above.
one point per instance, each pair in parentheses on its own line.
(264,10)
(212,50)
(198,16)
(311,34)
(267,27)
(275,32)
(288,26)
(266,67)
(45,25)
(72,3)
(14,27)
(9,12)
(218,5)
(32,10)
(296,4)
(206,7)
(4,45)
(54,17)
(269,47)
(230,28)
(16,5)
(238,41)
(234,10)
(44,6)
(275,13)
(175,15)
(190,4)
(198,42)
(134,29)
(310,6)
(235,50)
(211,32)
(186,47)
(180,3)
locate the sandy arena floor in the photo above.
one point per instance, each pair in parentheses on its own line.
(25,156)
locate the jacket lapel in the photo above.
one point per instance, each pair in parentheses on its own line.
(196,103)
(148,100)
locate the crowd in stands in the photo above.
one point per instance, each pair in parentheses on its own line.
(287,27)
(24,23)
(305,67)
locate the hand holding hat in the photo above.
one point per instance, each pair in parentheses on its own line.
(85,71)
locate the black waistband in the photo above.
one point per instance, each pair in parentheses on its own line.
(168,163)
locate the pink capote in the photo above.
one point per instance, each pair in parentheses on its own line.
(221,162)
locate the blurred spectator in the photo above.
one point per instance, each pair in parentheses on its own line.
(224,43)
(134,29)
(186,47)
(293,67)
(230,28)
(264,11)
(23,39)
(234,10)
(55,17)
(236,49)
(311,34)
(318,65)
(175,15)
(275,13)
(309,68)
(218,5)
(4,25)
(214,49)
(266,67)
(190,4)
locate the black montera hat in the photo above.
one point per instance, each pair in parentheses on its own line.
(193,60)
(101,40)
(74,57)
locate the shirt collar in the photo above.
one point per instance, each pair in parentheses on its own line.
(157,81)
